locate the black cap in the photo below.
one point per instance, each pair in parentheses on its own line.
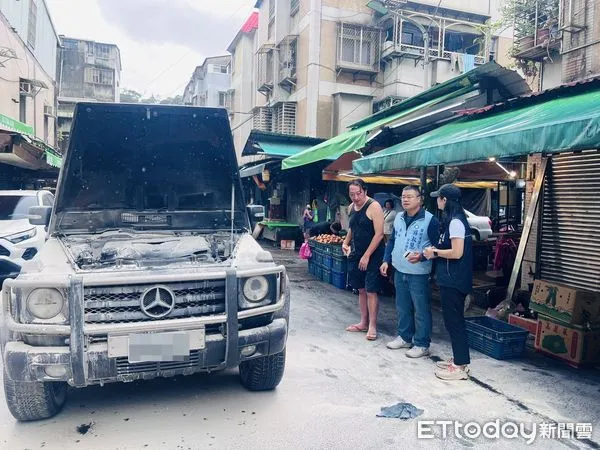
(448,191)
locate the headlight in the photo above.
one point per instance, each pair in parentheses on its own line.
(20,237)
(256,289)
(45,303)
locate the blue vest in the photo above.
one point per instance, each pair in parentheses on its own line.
(456,273)
(415,239)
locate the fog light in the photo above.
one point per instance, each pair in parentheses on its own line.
(55,371)
(249,350)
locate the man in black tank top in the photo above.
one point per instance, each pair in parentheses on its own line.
(365,250)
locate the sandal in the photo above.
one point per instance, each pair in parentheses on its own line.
(356,329)
(372,337)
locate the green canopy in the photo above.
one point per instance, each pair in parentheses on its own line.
(561,124)
(357,139)
(281,149)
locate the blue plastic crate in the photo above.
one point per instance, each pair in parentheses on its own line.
(495,338)
(311,267)
(326,275)
(339,264)
(318,271)
(317,257)
(336,250)
(338,279)
(328,260)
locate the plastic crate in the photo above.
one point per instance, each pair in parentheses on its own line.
(328,260)
(339,264)
(338,279)
(495,338)
(311,267)
(336,250)
(318,271)
(317,257)
(326,275)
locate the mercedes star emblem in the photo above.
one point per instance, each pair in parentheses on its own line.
(157,302)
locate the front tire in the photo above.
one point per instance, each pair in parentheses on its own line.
(36,400)
(263,374)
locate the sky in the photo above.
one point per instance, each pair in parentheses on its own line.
(161,41)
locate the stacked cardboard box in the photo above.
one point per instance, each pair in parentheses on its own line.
(568,322)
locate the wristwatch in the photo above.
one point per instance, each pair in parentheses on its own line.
(435,253)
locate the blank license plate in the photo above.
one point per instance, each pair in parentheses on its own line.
(156,347)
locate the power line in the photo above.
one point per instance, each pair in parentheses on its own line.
(243,5)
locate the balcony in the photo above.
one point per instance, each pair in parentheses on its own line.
(448,38)
(288,62)
(391,50)
(539,46)
(266,69)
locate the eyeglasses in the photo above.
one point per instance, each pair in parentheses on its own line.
(410,197)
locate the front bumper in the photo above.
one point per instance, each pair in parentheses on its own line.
(83,354)
(28,363)
(24,250)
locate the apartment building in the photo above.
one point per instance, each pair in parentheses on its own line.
(321,65)
(557,41)
(28,49)
(245,97)
(28,56)
(88,71)
(210,84)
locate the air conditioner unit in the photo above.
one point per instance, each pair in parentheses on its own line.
(48,110)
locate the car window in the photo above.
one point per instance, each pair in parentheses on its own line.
(15,207)
(47,200)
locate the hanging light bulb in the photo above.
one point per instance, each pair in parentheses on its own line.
(266,175)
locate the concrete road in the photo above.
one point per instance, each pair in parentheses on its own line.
(334,386)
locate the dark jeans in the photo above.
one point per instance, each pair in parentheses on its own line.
(413,306)
(453,310)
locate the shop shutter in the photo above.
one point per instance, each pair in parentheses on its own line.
(570,244)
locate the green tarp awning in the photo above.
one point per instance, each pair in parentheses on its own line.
(356,139)
(282,149)
(27,133)
(561,124)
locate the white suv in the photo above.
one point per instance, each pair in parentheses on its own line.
(19,240)
(481,226)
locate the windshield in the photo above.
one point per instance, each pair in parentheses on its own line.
(15,207)
(166,160)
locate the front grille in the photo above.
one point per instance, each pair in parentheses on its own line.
(122,304)
(124,367)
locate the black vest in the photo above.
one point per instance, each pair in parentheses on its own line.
(456,273)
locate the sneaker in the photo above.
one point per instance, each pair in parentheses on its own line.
(446,364)
(398,343)
(453,372)
(418,352)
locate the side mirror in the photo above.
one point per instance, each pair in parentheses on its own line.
(40,215)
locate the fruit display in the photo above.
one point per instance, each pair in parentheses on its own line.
(328,239)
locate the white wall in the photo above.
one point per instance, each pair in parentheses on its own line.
(46,42)
(484,7)
(349,109)
(25,66)
(552,73)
